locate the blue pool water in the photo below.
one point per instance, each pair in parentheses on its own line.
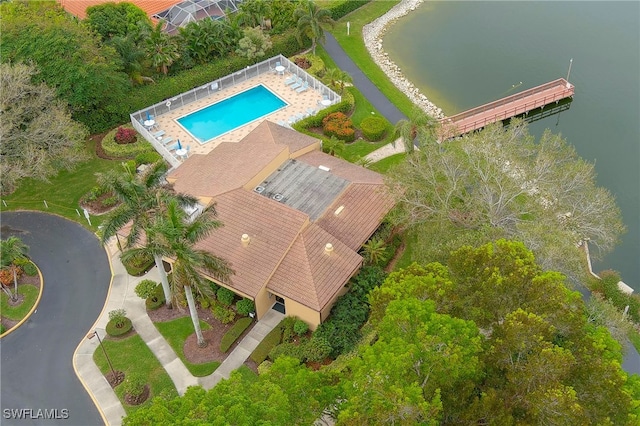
(229,114)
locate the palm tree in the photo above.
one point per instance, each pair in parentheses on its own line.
(333,146)
(162,48)
(375,251)
(176,236)
(12,249)
(142,198)
(310,19)
(337,78)
(131,56)
(420,126)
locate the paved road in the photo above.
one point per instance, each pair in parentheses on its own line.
(361,81)
(36,359)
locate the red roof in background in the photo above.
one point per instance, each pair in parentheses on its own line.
(78,8)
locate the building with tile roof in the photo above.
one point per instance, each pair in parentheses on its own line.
(293,217)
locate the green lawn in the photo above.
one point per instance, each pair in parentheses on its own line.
(385,164)
(176,333)
(634,337)
(16,313)
(353,44)
(132,355)
(63,192)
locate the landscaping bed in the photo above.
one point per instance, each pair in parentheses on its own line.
(13,312)
(190,350)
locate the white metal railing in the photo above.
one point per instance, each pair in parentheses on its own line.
(203,91)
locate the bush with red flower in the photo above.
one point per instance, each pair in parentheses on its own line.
(125,136)
(339,125)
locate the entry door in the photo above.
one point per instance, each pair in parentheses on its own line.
(279,305)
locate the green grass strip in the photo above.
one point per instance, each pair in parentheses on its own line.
(353,45)
(16,313)
(63,191)
(131,355)
(234,332)
(176,332)
(385,164)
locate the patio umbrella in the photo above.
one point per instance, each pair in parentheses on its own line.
(179,144)
(148,116)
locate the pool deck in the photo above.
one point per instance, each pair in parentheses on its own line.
(298,104)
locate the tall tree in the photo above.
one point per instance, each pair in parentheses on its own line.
(253,12)
(174,234)
(162,48)
(142,197)
(310,20)
(254,44)
(68,55)
(418,129)
(11,250)
(39,138)
(116,19)
(500,183)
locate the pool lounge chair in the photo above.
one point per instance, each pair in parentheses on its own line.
(297,84)
(310,112)
(159,134)
(304,87)
(292,79)
(167,140)
(173,147)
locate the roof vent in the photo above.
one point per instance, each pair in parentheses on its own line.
(328,248)
(325,168)
(245,240)
(338,210)
(259,189)
(278,197)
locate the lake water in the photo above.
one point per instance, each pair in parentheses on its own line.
(470,53)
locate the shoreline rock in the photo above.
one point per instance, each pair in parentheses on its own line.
(373,33)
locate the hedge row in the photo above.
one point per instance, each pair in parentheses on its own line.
(143,96)
(232,335)
(271,340)
(338,10)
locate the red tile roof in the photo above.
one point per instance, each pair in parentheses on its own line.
(286,250)
(78,8)
(232,165)
(308,274)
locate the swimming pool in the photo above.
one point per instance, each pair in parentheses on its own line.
(229,114)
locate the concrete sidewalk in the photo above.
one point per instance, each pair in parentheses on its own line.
(122,296)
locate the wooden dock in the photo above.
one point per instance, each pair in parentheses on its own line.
(505,108)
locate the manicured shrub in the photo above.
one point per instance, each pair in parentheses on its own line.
(373,128)
(116,150)
(317,349)
(118,323)
(2,329)
(287,328)
(234,332)
(316,64)
(222,313)
(339,125)
(287,349)
(149,157)
(300,327)
(138,265)
(204,302)
(125,135)
(245,306)
(30,269)
(214,287)
(156,300)
(261,352)
(134,384)
(145,288)
(225,296)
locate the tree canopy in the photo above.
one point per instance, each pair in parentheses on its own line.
(116,19)
(39,138)
(501,183)
(70,58)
